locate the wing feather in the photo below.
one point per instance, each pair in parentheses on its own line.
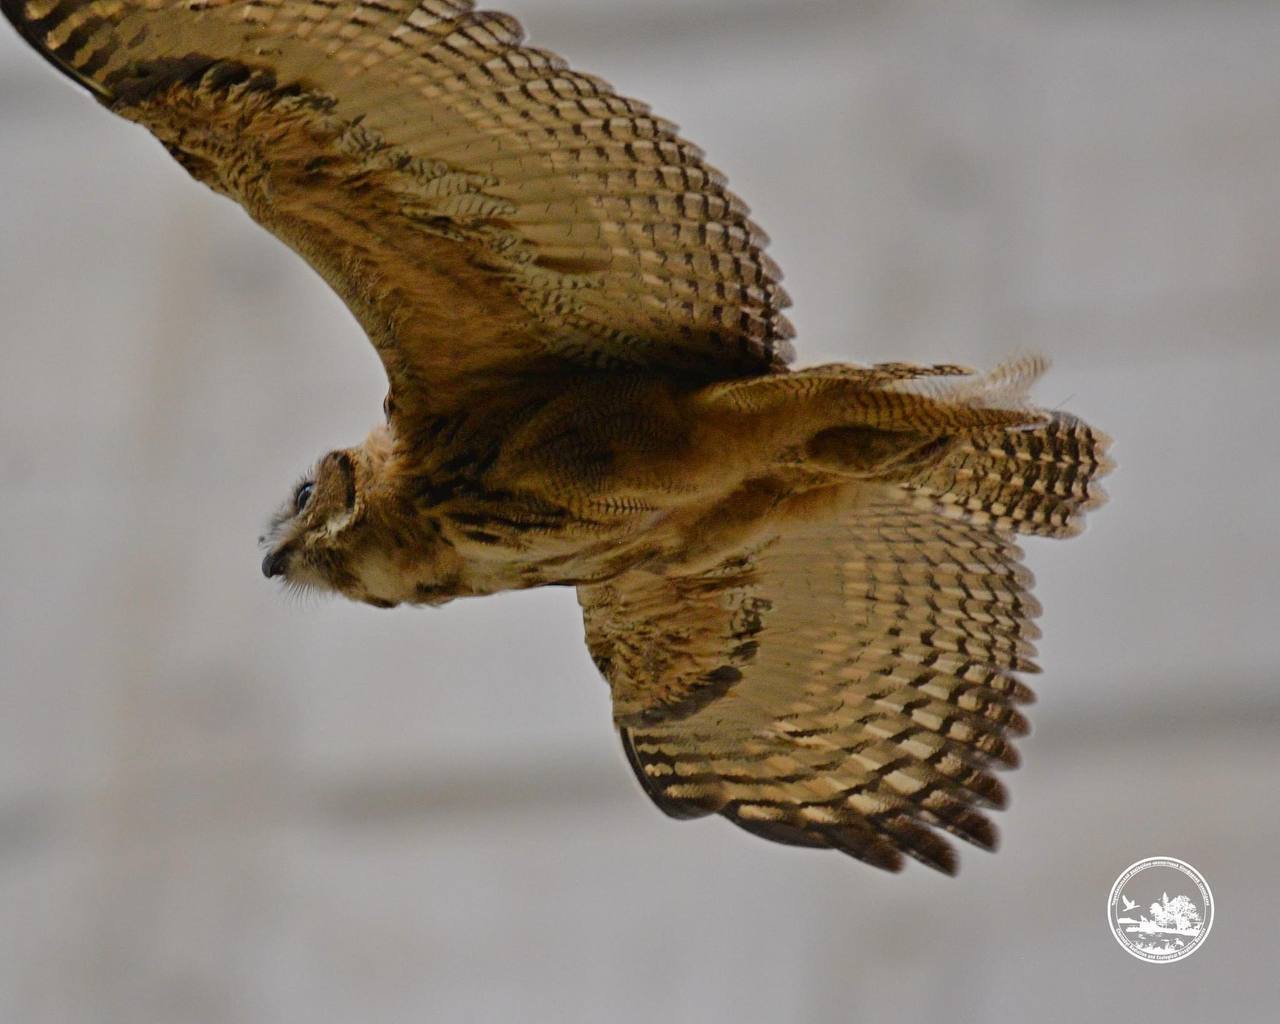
(487,212)
(849,685)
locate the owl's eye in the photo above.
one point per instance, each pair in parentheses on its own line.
(302,495)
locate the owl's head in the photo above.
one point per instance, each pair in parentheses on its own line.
(320,536)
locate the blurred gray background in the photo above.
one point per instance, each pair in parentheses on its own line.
(219,805)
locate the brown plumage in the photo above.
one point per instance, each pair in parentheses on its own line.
(801,585)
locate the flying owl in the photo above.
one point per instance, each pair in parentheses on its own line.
(802,586)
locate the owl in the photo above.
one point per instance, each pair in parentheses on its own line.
(802,585)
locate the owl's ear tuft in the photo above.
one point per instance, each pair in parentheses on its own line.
(344,469)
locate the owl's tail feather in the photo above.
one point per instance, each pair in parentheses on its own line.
(1039,477)
(1035,480)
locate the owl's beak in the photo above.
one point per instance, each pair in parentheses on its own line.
(273,564)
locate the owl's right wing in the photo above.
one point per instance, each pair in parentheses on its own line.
(488,214)
(851,684)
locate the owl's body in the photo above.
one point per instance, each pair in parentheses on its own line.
(612,472)
(802,585)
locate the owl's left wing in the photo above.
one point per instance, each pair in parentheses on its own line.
(848,685)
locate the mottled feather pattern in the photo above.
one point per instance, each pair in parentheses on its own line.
(611,239)
(803,586)
(882,688)
(878,695)
(1058,466)
(664,670)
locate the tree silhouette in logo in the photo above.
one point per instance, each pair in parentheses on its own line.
(1177,915)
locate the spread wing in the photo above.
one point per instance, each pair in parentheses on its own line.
(487,213)
(849,685)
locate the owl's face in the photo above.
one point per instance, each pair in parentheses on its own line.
(345,529)
(309,539)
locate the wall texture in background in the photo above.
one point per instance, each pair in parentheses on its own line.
(218,805)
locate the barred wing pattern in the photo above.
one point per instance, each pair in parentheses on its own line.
(487,213)
(849,685)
